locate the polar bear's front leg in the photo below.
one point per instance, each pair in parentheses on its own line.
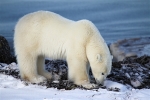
(28,68)
(41,69)
(77,72)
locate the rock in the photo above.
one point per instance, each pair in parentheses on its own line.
(135,83)
(5,54)
(130,47)
(133,71)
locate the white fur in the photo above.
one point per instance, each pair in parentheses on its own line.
(46,34)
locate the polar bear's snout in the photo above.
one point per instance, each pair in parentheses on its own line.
(100,71)
(100,79)
(98,75)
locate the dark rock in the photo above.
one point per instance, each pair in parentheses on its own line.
(133,71)
(5,54)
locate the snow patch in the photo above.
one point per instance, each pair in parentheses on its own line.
(111,84)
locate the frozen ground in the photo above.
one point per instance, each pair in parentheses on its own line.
(15,89)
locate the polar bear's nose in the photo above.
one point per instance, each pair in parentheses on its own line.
(100,82)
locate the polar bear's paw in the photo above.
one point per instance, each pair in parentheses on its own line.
(89,86)
(37,79)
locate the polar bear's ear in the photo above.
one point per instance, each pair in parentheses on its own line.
(99,58)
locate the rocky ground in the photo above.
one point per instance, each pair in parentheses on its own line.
(133,72)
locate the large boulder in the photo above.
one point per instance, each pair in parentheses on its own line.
(5,55)
(130,47)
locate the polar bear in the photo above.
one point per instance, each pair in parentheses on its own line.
(46,34)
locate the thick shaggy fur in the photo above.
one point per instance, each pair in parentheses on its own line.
(46,34)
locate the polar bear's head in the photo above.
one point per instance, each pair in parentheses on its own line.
(101,67)
(100,61)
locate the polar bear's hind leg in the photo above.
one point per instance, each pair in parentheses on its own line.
(28,69)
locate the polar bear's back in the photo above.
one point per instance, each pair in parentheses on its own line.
(39,31)
(42,20)
(43,30)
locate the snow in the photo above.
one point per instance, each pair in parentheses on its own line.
(15,89)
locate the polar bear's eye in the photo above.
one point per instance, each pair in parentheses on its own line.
(102,73)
